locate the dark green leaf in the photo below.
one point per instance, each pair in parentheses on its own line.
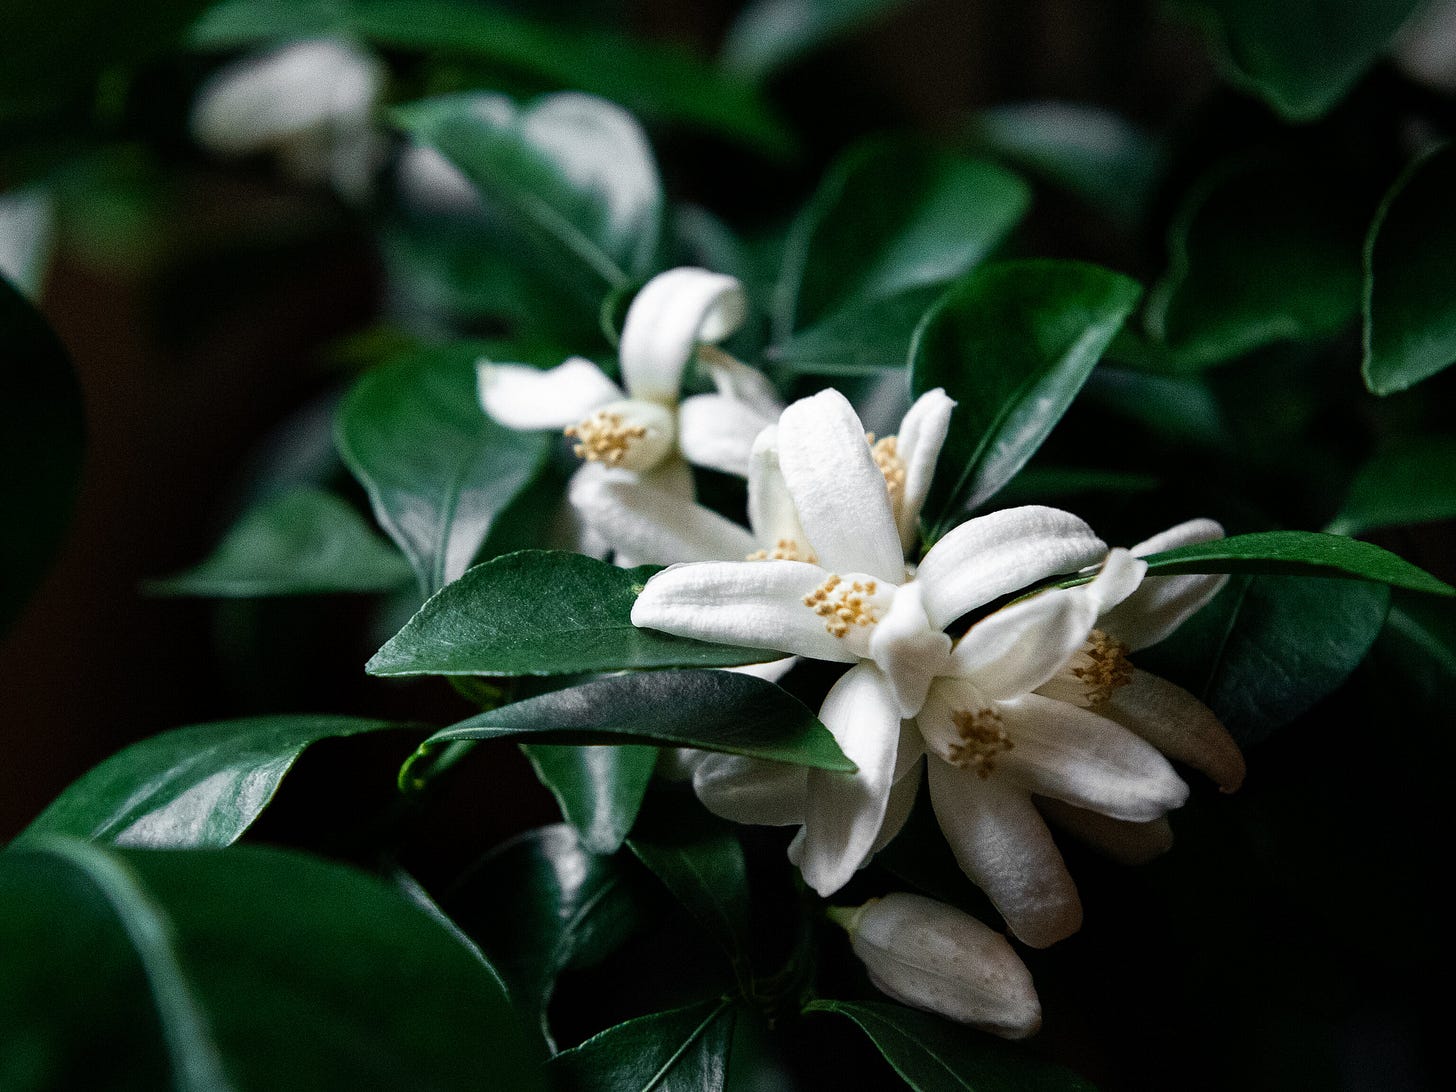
(195,787)
(245,969)
(41,438)
(599,788)
(1418,644)
(1412,481)
(438,471)
(1182,408)
(1012,344)
(1410,317)
(771,33)
(892,216)
(714,710)
(933,1055)
(542,613)
(1037,484)
(305,542)
(1301,56)
(1295,552)
(863,339)
(684,1050)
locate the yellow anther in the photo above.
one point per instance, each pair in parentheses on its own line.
(982,738)
(1101,666)
(786,549)
(604,437)
(887,457)
(843,606)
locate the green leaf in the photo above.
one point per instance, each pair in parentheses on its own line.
(540,612)
(768,34)
(1261,251)
(1035,484)
(1309,553)
(934,1055)
(715,710)
(863,339)
(892,216)
(1411,481)
(1418,644)
(575,174)
(1269,647)
(1410,318)
(1012,344)
(599,789)
(684,1050)
(438,471)
(196,787)
(305,542)
(41,439)
(245,969)
(1301,56)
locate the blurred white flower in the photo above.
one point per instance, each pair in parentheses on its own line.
(26,231)
(430,184)
(1425,49)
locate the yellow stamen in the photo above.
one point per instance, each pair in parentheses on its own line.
(842,605)
(983,738)
(1101,666)
(604,437)
(887,457)
(786,549)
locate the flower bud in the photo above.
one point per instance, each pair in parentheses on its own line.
(932,956)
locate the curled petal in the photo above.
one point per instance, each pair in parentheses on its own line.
(1184,534)
(528,398)
(673,313)
(751,790)
(1021,646)
(718,432)
(921,436)
(902,795)
(652,525)
(908,650)
(1124,842)
(771,511)
(736,380)
(1179,725)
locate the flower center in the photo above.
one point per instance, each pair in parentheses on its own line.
(843,605)
(604,438)
(1101,666)
(886,452)
(982,738)
(786,549)
(629,434)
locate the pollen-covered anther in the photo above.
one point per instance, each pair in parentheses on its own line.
(1101,666)
(886,452)
(786,549)
(843,605)
(604,437)
(982,739)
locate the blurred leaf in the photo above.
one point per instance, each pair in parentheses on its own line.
(1035,484)
(199,787)
(1176,407)
(1267,648)
(540,612)
(716,710)
(437,469)
(1012,344)
(1410,316)
(684,1050)
(245,969)
(1418,644)
(768,34)
(41,440)
(1411,481)
(1106,160)
(305,542)
(599,789)
(889,217)
(934,1055)
(862,339)
(1301,56)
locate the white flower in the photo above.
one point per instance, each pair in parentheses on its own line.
(932,956)
(429,184)
(1425,48)
(309,103)
(26,230)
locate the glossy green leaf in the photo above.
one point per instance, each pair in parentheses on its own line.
(863,339)
(1410,317)
(683,1050)
(1301,56)
(768,34)
(575,174)
(1298,552)
(438,471)
(305,542)
(714,710)
(892,216)
(1260,251)
(934,1055)
(599,789)
(1269,647)
(1182,408)
(41,438)
(1411,481)
(241,970)
(196,787)
(540,612)
(1012,344)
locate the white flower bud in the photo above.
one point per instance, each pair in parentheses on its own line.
(932,956)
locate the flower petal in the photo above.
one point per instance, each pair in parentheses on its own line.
(839,492)
(992,555)
(1124,842)
(1021,646)
(1072,754)
(908,650)
(752,790)
(1184,534)
(718,432)
(528,398)
(846,811)
(903,794)
(1163,603)
(736,380)
(668,318)
(771,511)
(1002,844)
(759,604)
(921,436)
(1179,725)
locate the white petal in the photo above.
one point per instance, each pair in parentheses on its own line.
(528,398)
(759,604)
(845,811)
(839,492)
(908,650)
(1184,534)
(736,380)
(1119,577)
(651,525)
(993,555)
(1073,754)
(1163,603)
(27,223)
(1021,646)
(921,436)
(771,671)
(718,432)
(668,318)
(903,793)
(1124,842)
(1002,844)
(1179,725)
(771,511)
(600,435)
(752,790)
